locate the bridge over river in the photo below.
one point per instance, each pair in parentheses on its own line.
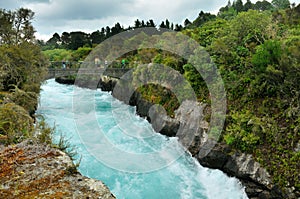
(111,72)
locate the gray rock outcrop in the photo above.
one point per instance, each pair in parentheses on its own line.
(253,176)
(29,170)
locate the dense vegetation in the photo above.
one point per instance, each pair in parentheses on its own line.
(257,52)
(258,55)
(259,63)
(22,69)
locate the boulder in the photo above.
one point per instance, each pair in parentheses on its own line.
(65,80)
(253,176)
(107,83)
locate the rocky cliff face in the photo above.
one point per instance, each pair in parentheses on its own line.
(253,176)
(29,170)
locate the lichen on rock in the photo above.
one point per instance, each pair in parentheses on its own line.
(29,170)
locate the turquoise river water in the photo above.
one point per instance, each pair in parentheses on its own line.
(182,178)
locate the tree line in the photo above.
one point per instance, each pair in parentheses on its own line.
(238,5)
(77,39)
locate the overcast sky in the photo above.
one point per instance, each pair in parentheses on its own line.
(90,15)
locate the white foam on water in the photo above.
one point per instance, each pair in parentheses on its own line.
(182,178)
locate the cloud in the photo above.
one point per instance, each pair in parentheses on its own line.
(36,1)
(9,5)
(70,15)
(99,13)
(81,9)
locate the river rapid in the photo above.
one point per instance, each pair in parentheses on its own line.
(183,177)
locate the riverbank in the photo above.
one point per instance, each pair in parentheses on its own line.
(254,177)
(31,165)
(31,170)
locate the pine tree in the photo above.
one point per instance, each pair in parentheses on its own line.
(167,24)
(248,5)
(238,5)
(187,23)
(137,24)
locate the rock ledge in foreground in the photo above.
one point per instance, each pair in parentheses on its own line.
(38,171)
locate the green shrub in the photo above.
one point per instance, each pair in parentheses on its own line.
(43,133)
(269,53)
(243,131)
(15,123)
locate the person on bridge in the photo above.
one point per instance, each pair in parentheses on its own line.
(97,61)
(123,63)
(63,64)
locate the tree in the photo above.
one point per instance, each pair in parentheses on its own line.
(22,69)
(224,9)
(202,18)
(167,24)
(151,23)
(21,65)
(240,37)
(15,27)
(263,5)
(187,23)
(248,5)
(251,26)
(238,5)
(97,37)
(54,41)
(172,26)
(178,27)
(293,15)
(78,39)
(81,53)
(137,24)
(55,37)
(116,29)
(107,32)
(230,13)
(162,25)
(6,26)
(208,32)
(65,39)
(281,4)
(23,29)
